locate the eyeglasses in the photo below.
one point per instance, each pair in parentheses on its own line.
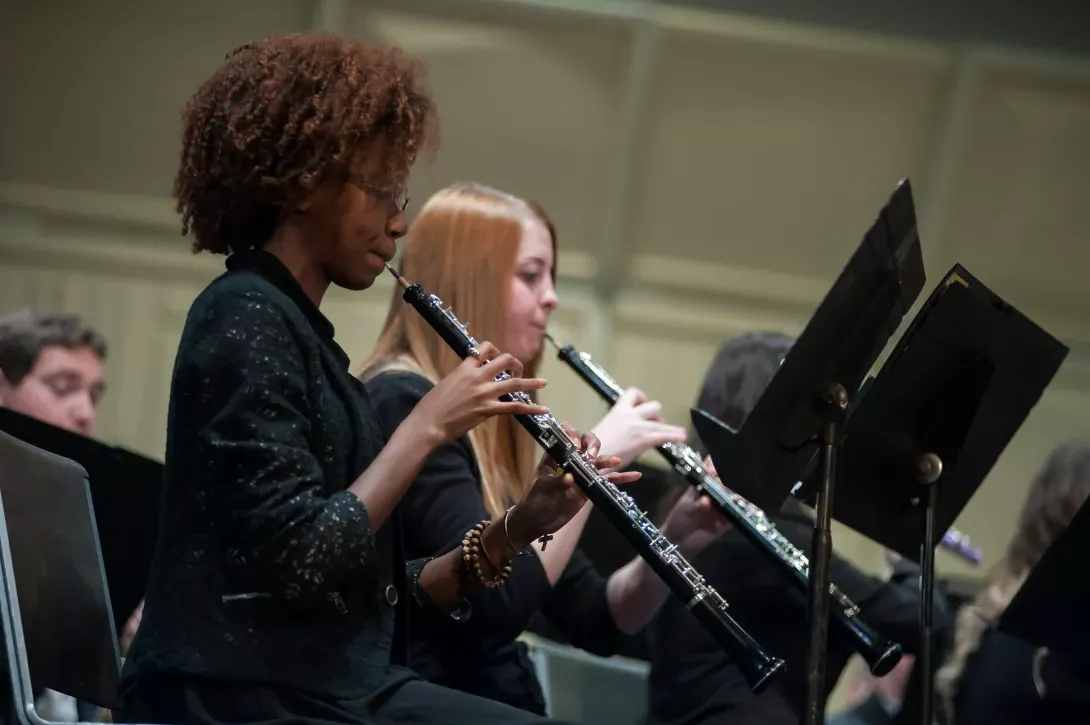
(399,196)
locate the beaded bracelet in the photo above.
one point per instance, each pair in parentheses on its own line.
(473,549)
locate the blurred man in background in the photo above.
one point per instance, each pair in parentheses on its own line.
(51,368)
(895,698)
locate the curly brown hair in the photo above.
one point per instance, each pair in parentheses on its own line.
(287,115)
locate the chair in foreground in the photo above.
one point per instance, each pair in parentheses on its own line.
(58,628)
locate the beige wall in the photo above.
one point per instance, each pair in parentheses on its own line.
(709,174)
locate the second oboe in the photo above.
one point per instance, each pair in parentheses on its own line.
(618,507)
(880,654)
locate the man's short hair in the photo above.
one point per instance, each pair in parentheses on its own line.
(738,375)
(25,333)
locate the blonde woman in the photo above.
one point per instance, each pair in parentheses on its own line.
(996,679)
(492,257)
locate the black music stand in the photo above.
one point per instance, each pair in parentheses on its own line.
(946,403)
(1050,608)
(125,489)
(803,409)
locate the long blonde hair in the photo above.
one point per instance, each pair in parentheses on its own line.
(463,247)
(1055,496)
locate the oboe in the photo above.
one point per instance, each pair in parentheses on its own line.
(620,510)
(880,654)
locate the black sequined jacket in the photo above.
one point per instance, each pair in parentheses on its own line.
(267,570)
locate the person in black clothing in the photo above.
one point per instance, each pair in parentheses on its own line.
(692,680)
(279,590)
(894,699)
(993,678)
(491,256)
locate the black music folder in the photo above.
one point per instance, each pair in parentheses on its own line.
(777,443)
(958,386)
(1050,610)
(125,489)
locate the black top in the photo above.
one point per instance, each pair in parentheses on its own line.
(266,569)
(482,657)
(997,686)
(608,550)
(693,682)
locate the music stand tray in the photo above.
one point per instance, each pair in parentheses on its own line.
(955,390)
(802,410)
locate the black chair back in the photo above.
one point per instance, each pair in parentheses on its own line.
(58,626)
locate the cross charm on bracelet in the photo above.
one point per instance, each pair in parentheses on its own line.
(544,541)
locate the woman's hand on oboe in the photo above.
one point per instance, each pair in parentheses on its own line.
(693,523)
(554,499)
(471,394)
(634,425)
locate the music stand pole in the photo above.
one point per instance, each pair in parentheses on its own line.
(834,401)
(928,472)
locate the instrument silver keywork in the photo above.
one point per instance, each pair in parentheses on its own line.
(880,654)
(684,581)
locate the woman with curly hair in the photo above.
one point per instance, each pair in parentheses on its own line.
(279,590)
(993,678)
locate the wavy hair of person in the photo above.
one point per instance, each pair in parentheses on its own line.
(287,115)
(737,376)
(463,246)
(1057,492)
